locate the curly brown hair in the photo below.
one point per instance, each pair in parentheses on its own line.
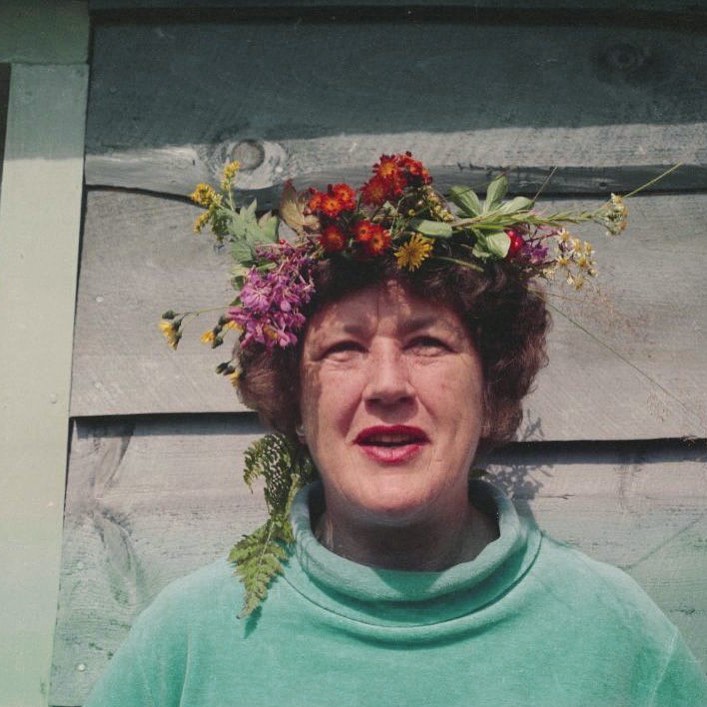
(507,321)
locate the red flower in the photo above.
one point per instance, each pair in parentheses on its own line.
(330,206)
(375,191)
(417,172)
(363,231)
(332,239)
(345,194)
(372,238)
(387,167)
(378,243)
(315,200)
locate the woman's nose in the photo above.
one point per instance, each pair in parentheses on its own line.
(388,379)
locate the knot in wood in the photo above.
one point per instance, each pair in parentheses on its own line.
(623,58)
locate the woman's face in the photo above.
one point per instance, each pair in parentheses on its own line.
(391,405)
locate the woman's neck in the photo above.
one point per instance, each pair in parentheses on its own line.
(424,547)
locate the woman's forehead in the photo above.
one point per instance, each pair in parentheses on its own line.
(387,302)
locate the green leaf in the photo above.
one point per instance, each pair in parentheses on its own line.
(465,198)
(491,245)
(495,193)
(268,225)
(519,203)
(436,229)
(242,252)
(498,244)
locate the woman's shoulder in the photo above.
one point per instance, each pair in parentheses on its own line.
(601,589)
(209,587)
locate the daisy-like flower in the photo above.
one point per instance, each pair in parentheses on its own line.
(375,191)
(386,167)
(414,252)
(332,239)
(170,331)
(379,241)
(363,231)
(346,196)
(331,206)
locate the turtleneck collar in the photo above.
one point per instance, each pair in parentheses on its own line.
(407,599)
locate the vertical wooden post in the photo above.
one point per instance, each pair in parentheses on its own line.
(40,210)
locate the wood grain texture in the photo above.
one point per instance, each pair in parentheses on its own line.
(40,211)
(164,112)
(41,32)
(627,360)
(151,499)
(672,6)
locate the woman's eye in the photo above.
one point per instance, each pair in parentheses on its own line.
(343,349)
(428,345)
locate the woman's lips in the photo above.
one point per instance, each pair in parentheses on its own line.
(391,444)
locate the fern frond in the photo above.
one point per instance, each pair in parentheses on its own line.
(258,558)
(286,468)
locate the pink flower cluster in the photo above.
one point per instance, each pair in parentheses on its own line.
(271,301)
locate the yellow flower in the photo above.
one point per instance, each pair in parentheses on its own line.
(230,324)
(412,254)
(170,330)
(207,337)
(229,172)
(201,221)
(205,195)
(235,377)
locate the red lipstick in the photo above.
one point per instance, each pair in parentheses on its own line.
(391,444)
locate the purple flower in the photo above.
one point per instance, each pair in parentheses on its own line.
(271,301)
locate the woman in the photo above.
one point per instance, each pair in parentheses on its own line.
(388,343)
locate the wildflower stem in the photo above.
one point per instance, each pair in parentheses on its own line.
(654,180)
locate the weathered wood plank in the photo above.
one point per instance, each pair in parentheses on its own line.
(164,113)
(150,499)
(40,210)
(40,32)
(267,165)
(672,6)
(633,369)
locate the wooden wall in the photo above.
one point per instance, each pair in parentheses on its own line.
(613,457)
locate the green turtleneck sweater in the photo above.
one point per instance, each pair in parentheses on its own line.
(528,622)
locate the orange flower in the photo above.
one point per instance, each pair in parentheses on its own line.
(345,194)
(387,167)
(414,169)
(363,231)
(331,206)
(372,238)
(378,243)
(375,191)
(315,200)
(332,239)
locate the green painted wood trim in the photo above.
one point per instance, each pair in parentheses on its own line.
(44,31)
(40,212)
(4,95)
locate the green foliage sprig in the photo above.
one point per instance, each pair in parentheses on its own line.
(285,468)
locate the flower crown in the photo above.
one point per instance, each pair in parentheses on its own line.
(396,215)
